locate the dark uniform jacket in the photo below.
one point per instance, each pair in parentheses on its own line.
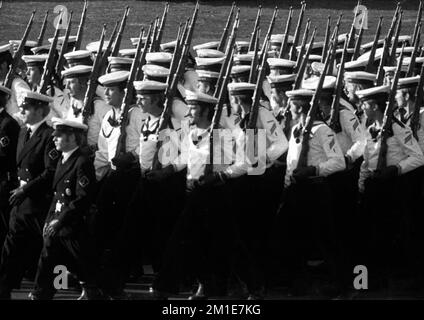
(9,132)
(74,187)
(36,161)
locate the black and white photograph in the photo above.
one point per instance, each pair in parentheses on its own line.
(228,152)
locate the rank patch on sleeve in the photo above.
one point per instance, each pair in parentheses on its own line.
(53,154)
(408,139)
(274,126)
(4,141)
(332,143)
(355,125)
(83,181)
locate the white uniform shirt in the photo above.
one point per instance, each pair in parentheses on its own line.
(402,151)
(324,151)
(170,137)
(352,139)
(94,122)
(420,131)
(224,153)
(109,136)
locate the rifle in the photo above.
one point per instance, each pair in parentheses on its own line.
(88,107)
(387,130)
(43,30)
(254,65)
(302,68)
(292,55)
(380,72)
(18,54)
(417,22)
(81,27)
(255,29)
(268,35)
(158,39)
(334,122)
(228,51)
(283,48)
(392,59)
(358,42)
(60,60)
(393,24)
(49,65)
(411,66)
(218,112)
(224,36)
(334,40)
(415,118)
(326,39)
(352,27)
(128,99)
(117,44)
(310,118)
(370,65)
(140,74)
(302,47)
(103,62)
(154,35)
(170,91)
(254,112)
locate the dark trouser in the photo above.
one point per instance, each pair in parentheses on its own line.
(344,186)
(259,198)
(149,221)
(21,248)
(307,217)
(113,198)
(202,241)
(75,252)
(394,226)
(5,188)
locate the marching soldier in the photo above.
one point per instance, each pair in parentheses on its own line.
(65,231)
(9,131)
(377,186)
(36,161)
(262,186)
(118,172)
(201,217)
(18,84)
(76,79)
(35,68)
(308,185)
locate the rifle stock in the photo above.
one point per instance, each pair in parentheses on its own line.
(255,29)
(18,54)
(224,35)
(311,116)
(292,55)
(380,72)
(42,30)
(370,65)
(162,27)
(326,39)
(49,65)
(103,62)
(392,56)
(411,66)
(302,47)
(358,42)
(117,44)
(140,74)
(352,28)
(60,60)
(128,99)
(283,48)
(81,27)
(417,22)
(386,130)
(254,66)
(88,107)
(334,122)
(302,68)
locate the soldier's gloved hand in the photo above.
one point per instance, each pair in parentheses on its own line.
(159,175)
(386,173)
(302,174)
(123,160)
